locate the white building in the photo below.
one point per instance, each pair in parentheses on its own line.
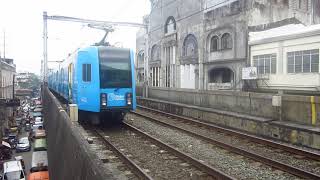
(7,71)
(287,58)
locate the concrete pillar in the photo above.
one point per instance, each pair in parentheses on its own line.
(73,112)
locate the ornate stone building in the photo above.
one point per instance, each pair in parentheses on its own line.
(203,44)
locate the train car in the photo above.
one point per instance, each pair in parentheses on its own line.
(100,80)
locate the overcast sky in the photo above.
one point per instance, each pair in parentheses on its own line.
(23,25)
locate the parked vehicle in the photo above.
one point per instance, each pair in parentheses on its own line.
(37,110)
(5,151)
(18,121)
(36,127)
(39,106)
(37,123)
(37,114)
(23,145)
(13,129)
(12,138)
(40,133)
(13,170)
(42,175)
(40,144)
(39,161)
(32,108)
(27,127)
(38,119)
(20,158)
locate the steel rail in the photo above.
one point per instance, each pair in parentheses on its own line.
(291,149)
(200,165)
(277,164)
(133,166)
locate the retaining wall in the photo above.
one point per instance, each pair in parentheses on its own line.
(264,127)
(294,108)
(69,154)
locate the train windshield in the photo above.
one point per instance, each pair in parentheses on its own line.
(115,68)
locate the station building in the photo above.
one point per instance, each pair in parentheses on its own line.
(205,44)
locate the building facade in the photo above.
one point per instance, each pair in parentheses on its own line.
(7,72)
(203,44)
(287,58)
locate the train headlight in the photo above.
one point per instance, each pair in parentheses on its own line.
(129,98)
(104,99)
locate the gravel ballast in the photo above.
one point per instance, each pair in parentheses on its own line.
(230,163)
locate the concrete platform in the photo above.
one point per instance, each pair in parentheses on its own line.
(290,132)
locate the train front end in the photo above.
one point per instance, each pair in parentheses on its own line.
(117,83)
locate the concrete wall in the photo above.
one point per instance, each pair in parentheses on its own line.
(294,108)
(69,154)
(295,134)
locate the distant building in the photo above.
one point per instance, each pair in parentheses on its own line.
(23,77)
(203,44)
(24,84)
(287,58)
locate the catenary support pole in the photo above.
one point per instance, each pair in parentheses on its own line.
(45,49)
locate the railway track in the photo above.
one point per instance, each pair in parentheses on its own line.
(150,158)
(112,156)
(227,136)
(131,164)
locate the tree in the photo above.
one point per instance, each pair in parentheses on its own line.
(33,83)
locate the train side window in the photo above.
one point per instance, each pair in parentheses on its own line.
(86,72)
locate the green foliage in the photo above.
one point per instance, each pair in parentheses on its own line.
(33,83)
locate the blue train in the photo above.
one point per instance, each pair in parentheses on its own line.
(100,80)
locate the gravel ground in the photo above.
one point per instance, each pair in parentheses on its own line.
(110,159)
(156,161)
(233,164)
(266,151)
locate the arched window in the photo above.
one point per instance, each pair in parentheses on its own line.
(226,41)
(190,46)
(170,25)
(155,53)
(214,43)
(220,75)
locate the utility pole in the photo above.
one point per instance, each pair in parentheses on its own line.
(45,49)
(146,64)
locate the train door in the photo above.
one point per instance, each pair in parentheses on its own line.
(87,80)
(70,81)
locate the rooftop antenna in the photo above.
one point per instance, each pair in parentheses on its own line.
(107,28)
